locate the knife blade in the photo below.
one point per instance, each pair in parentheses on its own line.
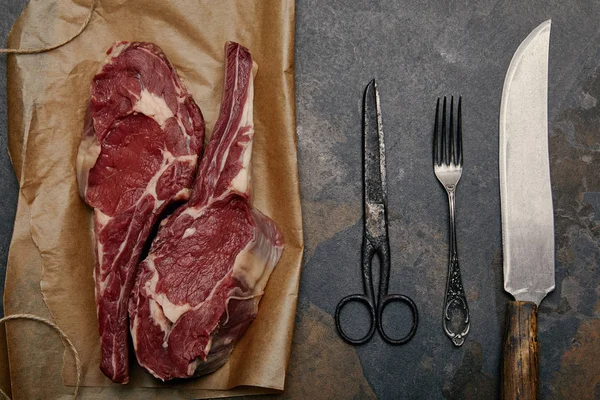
(526,205)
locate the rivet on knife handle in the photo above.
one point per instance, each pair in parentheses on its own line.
(520,364)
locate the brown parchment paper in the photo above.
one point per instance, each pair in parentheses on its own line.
(51,259)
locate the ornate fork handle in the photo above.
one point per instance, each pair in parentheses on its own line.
(456,310)
(448,166)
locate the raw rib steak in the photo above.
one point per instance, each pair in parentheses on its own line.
(139,153)
(198,290)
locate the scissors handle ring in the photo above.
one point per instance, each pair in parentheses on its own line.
(390,298)
(360,298)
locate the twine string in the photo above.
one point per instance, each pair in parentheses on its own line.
(84,25)
(62,335)
(31,317)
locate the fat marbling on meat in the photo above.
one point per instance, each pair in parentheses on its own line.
(198,290)
(139,153)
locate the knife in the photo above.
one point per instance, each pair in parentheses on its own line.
(526,204)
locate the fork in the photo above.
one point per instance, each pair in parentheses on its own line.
(447,166)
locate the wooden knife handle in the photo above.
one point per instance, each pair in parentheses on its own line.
(520,364)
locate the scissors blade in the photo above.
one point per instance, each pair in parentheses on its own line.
(375,183)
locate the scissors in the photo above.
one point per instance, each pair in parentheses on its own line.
(375,230)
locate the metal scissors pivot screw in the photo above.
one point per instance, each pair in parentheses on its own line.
(375,235)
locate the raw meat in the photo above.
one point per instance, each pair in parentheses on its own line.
(198,290)
(139,154)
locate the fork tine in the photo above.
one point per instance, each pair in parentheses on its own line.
(444,140)
(436,153)
(459,155)
(452,159)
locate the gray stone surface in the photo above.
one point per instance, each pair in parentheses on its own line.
(419,51)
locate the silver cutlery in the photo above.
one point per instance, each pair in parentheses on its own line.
(527,213)
(448,166)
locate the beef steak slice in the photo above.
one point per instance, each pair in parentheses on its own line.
(198,290)
(139,153)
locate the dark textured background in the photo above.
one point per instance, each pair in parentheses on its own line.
(418,51)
